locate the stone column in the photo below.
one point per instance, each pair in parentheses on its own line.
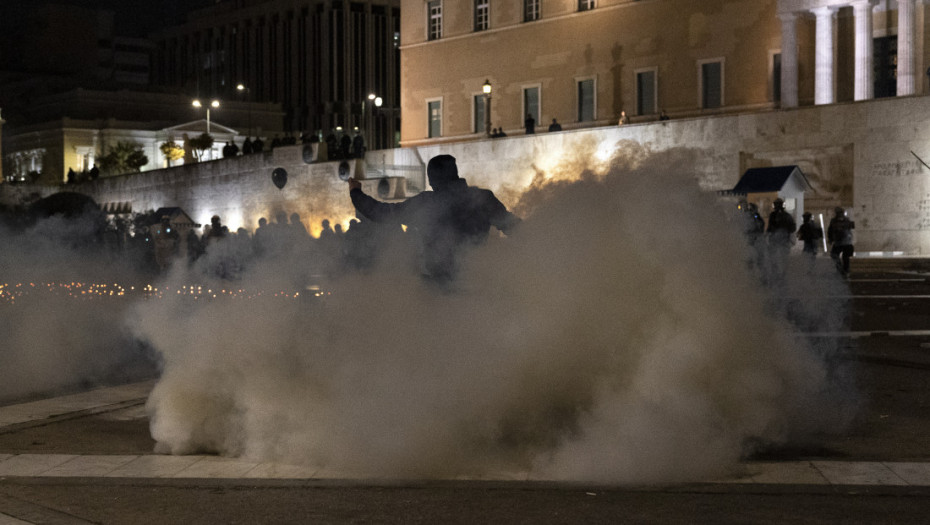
(823,68)
(907,79)
(865,86)
(789,60)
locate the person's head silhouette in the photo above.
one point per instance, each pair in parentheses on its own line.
(442,171)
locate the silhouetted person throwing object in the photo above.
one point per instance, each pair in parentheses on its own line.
(450,217)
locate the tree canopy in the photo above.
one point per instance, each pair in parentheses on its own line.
(200,144)
(123,157)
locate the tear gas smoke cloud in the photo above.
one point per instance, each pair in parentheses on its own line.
(621,335)
(55,338)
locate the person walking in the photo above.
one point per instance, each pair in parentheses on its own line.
(810,234)
(840,235)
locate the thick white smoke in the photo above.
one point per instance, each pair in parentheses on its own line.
(61,312)
(620,335)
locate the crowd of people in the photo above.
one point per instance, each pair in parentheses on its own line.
(779,233)
(339,144)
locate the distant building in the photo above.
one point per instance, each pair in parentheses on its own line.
(72,130)
(585,62)
(319,59)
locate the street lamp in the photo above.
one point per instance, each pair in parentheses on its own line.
(213,104)
(369,134)
(248,97)
(487,106)
(376,136)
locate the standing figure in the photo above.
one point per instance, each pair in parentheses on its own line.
(530,124)
(840,235)
(810,234)
(446,220)
(755,224)
(781,224)
(780,235)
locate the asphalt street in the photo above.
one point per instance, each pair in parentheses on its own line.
(888,340)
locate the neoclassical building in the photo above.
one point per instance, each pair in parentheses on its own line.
(887,48)
(584,62)
(71,130)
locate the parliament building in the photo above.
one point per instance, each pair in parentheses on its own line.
(471,65)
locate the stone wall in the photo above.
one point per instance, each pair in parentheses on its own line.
(863,156)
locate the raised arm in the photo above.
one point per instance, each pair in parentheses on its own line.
(372,209)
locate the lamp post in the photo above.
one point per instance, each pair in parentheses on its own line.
(213,104)
(374,101)
(375,135)
(248,100)
(368,119)
(487,106)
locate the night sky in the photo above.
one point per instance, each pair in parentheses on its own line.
(135,18)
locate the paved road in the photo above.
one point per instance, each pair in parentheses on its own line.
(86,459)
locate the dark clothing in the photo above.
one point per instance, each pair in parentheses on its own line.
(839,233)
(755,225)
(781,228)
(781,221)
(555,126)
(810,234)
(841,254)
(452,215)
(530,124)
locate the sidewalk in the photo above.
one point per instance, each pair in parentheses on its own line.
(126,401)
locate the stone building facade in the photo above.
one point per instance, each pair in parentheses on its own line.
(864,156)
(583,62)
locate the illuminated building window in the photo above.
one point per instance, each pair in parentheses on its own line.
(585,5)
(435,19)
(531,102)
(586,100)
(530,10)
(480,104)
(711,74)
(646,92)
(482,14)
(434,110)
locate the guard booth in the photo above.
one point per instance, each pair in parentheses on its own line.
(169,234)
(177,218)
(762,186)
